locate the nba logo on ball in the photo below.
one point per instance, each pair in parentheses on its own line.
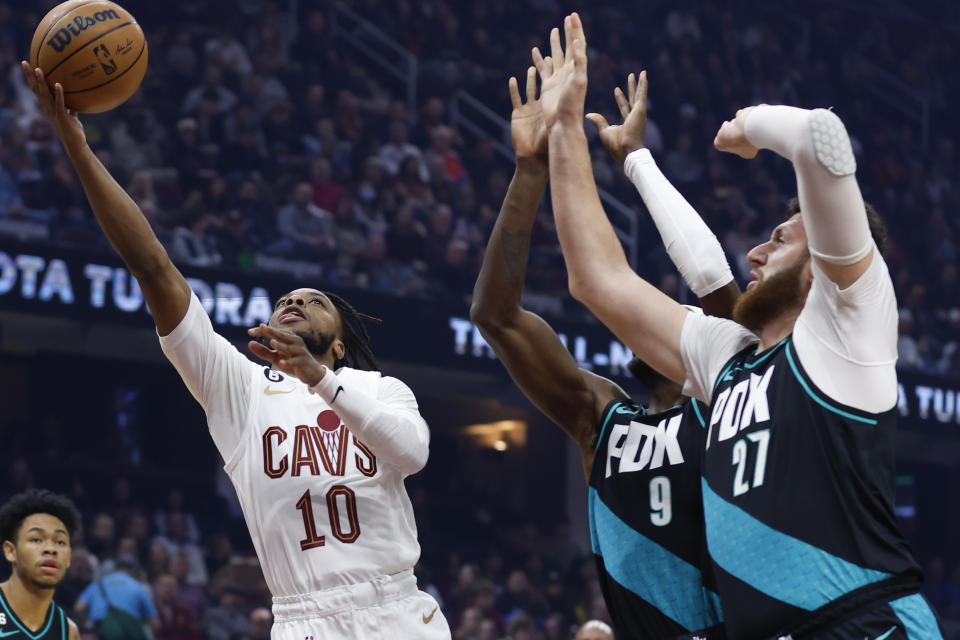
(94,49)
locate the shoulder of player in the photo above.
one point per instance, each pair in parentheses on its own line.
(73,631)
(605,393)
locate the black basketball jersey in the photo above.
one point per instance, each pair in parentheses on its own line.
(12,628)
(646,521)
(798,495)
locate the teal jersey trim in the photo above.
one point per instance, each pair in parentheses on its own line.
(696,410)
(765,356)
(778,565)
(616,407)
(820,401)
(917,618)
(603,427)
(12,616)
(643,567)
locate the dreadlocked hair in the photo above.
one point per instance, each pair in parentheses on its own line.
(355,337)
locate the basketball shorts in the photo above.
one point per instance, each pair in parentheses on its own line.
(386,608)
(907,618)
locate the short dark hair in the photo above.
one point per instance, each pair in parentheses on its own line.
(877,228)
(32,501)
(646,375)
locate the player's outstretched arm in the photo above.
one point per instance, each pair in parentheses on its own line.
(691,245)
(73,631)
(526,345)
(165,289)
(817,144)
(647,320)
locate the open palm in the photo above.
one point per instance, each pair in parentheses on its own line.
(622,139)
(563,76)
(527,130)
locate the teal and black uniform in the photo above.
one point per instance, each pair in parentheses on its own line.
(54,627)
(646,522)
(798,495)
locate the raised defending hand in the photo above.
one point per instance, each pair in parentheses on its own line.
(287,353)
(622,139)
(732,136)
(527,130)
(563,75)
(65,121)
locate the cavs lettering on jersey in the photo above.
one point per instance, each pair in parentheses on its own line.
(54,626)
(322,508)
(798,494)
(646,522)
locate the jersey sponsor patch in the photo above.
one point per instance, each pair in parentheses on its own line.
(271,375)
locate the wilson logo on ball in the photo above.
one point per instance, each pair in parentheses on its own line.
(64,35)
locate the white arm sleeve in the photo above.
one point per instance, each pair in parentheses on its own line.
(216,374)
(847,339)
(706,344)
(690,244)
(817,144)
(390,424)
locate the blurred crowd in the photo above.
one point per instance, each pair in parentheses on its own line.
(261,141)
(179,560)
(185,567)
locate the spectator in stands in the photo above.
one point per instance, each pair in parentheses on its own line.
(441,148)
(193,242)
(227,53)
(178,542)
(398,149)
(83,568)
(326,191)
(594,630)
(11,204)
(520,627)
(260,622)
(226,619)
(175,622)
(211,89)
(120,589)
(410,185)
(100,537)
(305,229)
(191,597)
(377,271)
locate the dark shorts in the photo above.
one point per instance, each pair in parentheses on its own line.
(907,618)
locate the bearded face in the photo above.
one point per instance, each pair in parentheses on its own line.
(771,296)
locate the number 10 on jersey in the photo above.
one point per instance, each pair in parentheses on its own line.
(335,496)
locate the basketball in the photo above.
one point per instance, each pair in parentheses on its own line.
(95,49)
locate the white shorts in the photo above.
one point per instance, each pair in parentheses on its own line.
(386,608)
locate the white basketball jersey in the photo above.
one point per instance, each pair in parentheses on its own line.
(322,510)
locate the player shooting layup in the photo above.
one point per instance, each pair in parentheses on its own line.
(316,448)
(798,474)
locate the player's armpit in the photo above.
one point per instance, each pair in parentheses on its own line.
(549,376)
